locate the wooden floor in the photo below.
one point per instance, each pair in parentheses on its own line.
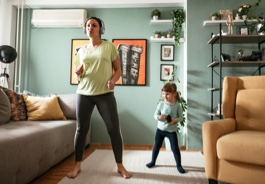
(58,172)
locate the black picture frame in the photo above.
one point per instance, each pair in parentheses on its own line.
(133,54)
(166,71)
(167,52)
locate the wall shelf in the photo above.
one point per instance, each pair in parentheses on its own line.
(238,63)
(166,40)
(161,22)
(217,22)
(221,40)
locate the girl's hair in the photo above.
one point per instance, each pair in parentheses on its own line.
(171,87)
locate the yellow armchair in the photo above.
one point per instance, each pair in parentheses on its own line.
(234,147)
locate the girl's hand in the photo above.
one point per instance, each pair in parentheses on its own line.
(79,70)
(174,121)
(111,85)
(163,117)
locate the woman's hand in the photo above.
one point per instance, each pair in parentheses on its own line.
(110,85)
(79,70)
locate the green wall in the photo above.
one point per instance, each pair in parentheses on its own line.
(199,56)
(47,67)
(48,70)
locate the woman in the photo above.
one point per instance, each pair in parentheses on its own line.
(97,69)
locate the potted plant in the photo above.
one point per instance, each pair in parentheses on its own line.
(155,14)
(215,16)
(178,18)
(157,34)
(243,10)
(169,33)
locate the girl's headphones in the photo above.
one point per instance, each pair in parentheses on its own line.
(100,22)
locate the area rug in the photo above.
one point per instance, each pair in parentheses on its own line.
(100,168)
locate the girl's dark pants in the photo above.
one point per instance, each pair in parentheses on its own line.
(173,139)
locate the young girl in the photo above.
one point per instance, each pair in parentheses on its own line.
(168,113)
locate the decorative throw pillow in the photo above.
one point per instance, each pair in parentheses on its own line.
(43,108)
(5,109)
(18,107)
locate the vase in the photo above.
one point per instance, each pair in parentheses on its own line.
(214,17)
(169,35)
(157,35)
(155,17)
(244,17)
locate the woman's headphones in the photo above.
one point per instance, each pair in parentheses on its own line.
(100,22)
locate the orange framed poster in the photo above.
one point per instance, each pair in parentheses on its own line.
(76,44)
(132,53)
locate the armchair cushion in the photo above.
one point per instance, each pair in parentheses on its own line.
(242,146)
(249,111)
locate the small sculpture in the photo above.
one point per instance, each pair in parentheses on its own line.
(230,24)
(241,55)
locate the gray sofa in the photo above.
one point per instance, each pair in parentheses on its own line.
(30,148)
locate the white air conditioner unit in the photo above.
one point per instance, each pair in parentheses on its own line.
(67,18)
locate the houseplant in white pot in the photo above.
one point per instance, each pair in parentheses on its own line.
(155,14)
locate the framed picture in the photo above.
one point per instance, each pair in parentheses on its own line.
(167,52)
(166,72)
(244,30)
(76,44)
(224,14)
(132,54)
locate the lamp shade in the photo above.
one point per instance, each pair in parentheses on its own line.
(7,54)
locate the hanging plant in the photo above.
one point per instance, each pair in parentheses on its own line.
(178,18)
(182,101)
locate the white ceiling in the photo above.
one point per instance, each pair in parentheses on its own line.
(101,3)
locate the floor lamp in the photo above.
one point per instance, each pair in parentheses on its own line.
(7,55)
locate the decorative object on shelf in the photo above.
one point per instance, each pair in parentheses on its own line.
(169,33)
(225,57)
(244,30)
(224,14)
(244,9)
(237,17)
(178,18)
(167,52)
(155,14)
(230,24)
(244,17)
(215,16)
(241,54)
(157,34)
(133,54)
(261,26)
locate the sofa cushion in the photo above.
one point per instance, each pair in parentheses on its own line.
(242,146)
(43,108)
(68,105)
(17,104)
(5,109)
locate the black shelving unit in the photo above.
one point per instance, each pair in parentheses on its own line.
(229,39)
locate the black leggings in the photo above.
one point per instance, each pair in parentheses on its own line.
(173,139)
(107,107)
